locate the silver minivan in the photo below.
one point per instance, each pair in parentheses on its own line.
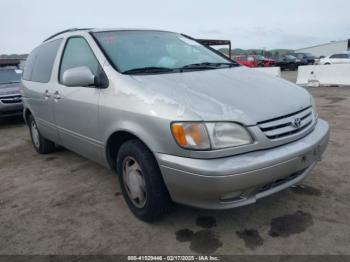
(176,120)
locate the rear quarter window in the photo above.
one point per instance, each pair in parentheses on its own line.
(336,56)
(40,62)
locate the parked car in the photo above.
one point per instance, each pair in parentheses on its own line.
(305,58)
(175,120)
(10,93)
(288,62)
(342,58)
(246,60)
(263,61)
(318,59)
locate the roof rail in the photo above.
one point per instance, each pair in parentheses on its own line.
(65,31)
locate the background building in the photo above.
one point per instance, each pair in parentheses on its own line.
(327,49)
(13,60)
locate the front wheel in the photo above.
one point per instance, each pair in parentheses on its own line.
(40,143)
(141,181)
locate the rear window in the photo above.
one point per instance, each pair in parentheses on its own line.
(40,62)
(9,76)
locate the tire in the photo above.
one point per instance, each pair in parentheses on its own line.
(152,199)
(327,63)
(41,144)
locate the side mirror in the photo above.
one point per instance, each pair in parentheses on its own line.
(78,76)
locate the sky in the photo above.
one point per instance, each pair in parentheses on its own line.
(268,24)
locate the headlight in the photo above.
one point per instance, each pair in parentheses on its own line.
(314,109)
(228,135)
(212,135)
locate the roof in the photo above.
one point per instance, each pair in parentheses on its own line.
(98,30)
(65,31)
(126,29)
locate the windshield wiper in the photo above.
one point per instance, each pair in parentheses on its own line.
(149,70)
(208,65)
(196,66)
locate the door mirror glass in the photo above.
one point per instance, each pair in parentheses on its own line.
(78,76)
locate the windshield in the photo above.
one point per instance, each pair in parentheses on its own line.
(9,76)
(130,50)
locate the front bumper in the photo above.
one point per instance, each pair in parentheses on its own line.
(247,177)
(9,110)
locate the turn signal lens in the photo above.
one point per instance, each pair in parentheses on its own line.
(191,135)
(179,134)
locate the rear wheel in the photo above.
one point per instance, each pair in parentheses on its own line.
(41,144)
(141,181)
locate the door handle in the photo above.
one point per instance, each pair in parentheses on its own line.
(46,94)
(56,95)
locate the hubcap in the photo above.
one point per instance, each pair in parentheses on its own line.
(35,135)
(134,182)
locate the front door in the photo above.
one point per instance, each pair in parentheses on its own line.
(76,108)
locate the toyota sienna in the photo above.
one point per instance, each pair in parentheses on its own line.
(176,120)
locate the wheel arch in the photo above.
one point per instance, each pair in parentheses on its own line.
(115,141)
(26,114)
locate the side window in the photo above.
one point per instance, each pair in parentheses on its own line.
(335,56)
(44,61)
(78,53)
(29,65)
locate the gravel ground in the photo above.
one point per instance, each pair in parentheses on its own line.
(64,204)
(290,75)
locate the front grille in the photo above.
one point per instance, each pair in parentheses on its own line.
(283,126)
(280,181)
(11,99)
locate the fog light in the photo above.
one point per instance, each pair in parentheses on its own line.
(232,196)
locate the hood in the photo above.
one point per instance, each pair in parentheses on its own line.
(234,94)
(10,89)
